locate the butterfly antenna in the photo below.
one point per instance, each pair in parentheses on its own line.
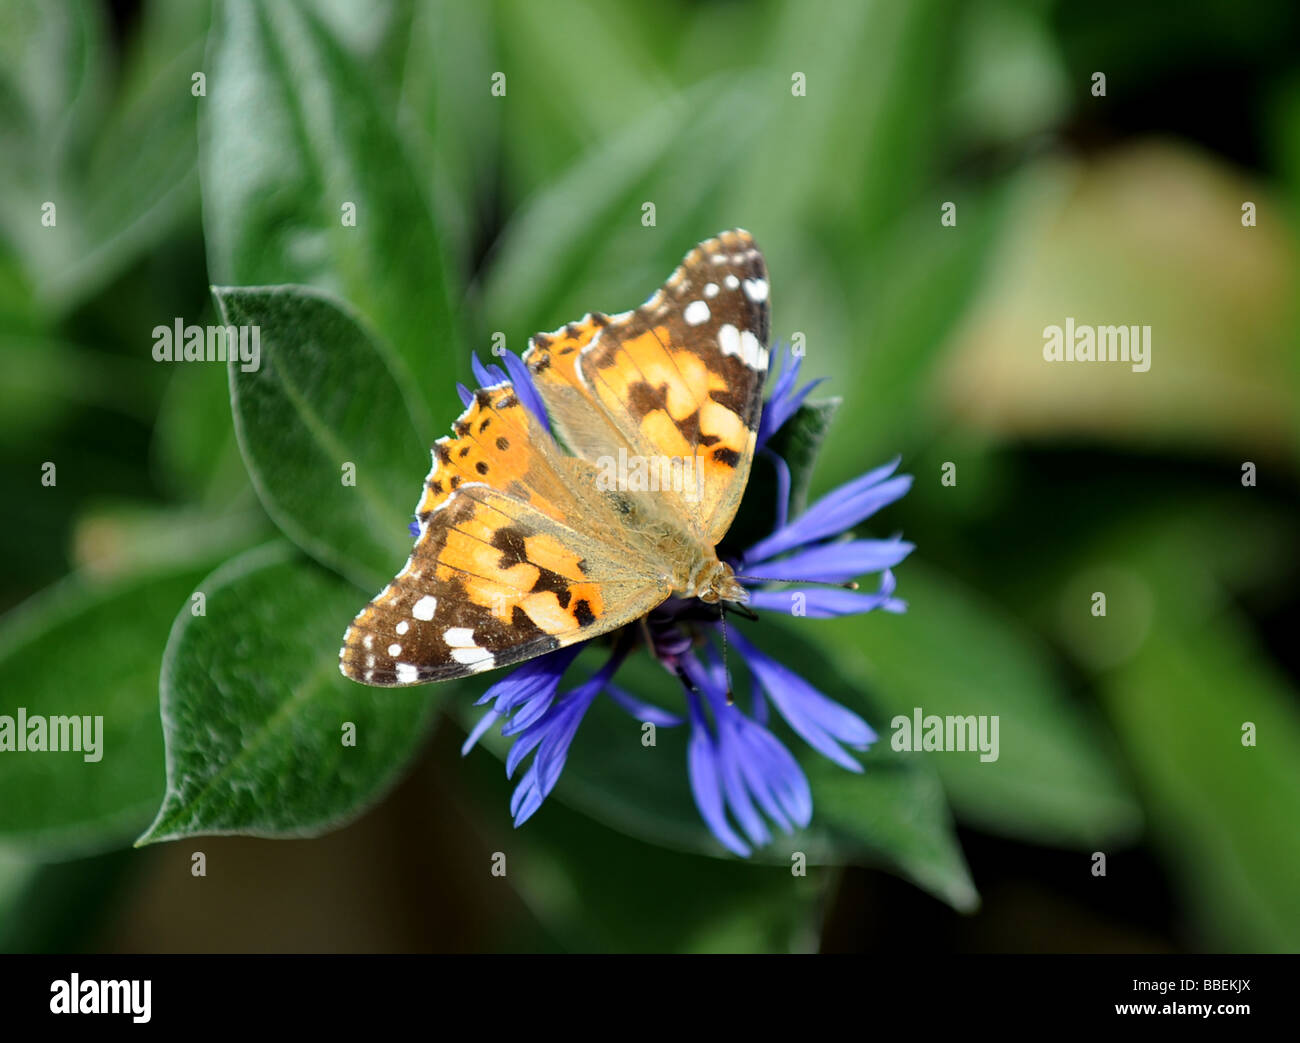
(850,585)
(726,669)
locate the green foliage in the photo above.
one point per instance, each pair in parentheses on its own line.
(326,431)
(951,653)
(57,804)
(264,736)
(476,214)
(291,135)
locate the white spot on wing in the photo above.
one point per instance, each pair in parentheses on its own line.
(472,656)
(696,312)
(407,674)
(394,649)
(424,608)
(402,628)
(711,290)
(745,345)
(729,340)
(731,281)
(756,290)
(754,354)
(459,637)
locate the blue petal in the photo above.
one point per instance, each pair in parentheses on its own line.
(706,788)
(732,773)
(487,376)
(769,767)
(779,412)
(643,711)
(466,395)
(784,401)
(527,798)
(818,720)
(554,750)
(551,734)
(776,778)
(485,722)
(414,529)
(523,746)
(522,380)
(551,737)
(527,681)
(529,712)
(834,562)
(823,603)
(836,511)
(782,489)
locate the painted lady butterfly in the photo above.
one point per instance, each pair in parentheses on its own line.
(525,547)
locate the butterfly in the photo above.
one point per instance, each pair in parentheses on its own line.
(528,542)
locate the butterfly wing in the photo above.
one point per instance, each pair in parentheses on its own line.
(497,574)
(679,378)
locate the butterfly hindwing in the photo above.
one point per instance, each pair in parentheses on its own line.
(492,581)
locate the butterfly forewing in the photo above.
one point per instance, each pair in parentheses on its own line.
(679,378)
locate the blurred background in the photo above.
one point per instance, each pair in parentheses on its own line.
(1121,735)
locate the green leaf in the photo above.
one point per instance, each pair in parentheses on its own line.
(255,711)
(51,93)
(1223,812)
(323,397)
(922,277)
(580,243)
(87,649)
(290,133)
(893,814)
(17,876)
(1055,779)
(454,134)
(140,179)
(118,538)
(588,885)
(548,117)
(194,447)
(859,143)
(119,159)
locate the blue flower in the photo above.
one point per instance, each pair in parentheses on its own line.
(743,778)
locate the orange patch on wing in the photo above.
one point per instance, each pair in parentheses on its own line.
(553,357)
(659,429)
(491,445)
(719,421)
(470,558)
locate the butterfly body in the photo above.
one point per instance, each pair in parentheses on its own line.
(530,541)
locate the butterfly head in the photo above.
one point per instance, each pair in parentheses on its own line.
(715,581)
